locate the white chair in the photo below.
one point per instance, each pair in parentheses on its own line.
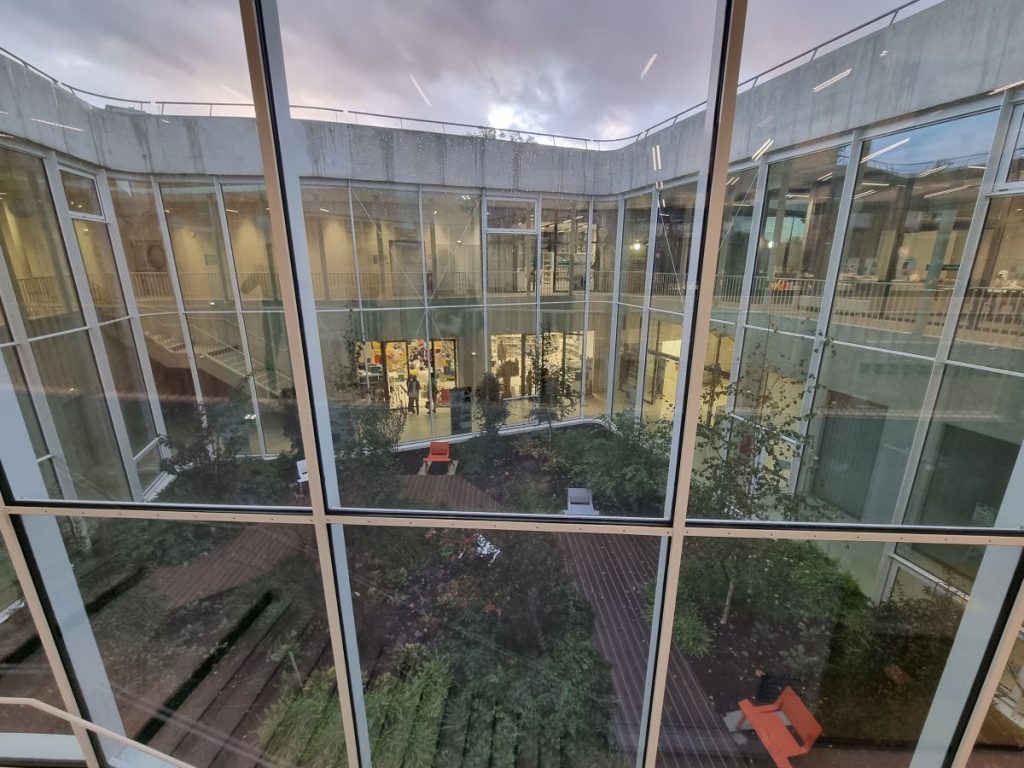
(300,468)
(580,502)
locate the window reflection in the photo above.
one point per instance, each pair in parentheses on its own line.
(737,224)
(855,678)
(800,210)
(329,239)
(672,234)
(636,232)
(389,246)
(990,330)
(193,220)
(503,648)
(32,248)
(451,232)
(912,205)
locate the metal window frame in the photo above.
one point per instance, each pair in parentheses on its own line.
(259,18)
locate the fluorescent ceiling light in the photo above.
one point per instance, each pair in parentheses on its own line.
(324,210)
(55,125)
(865,193)
(826,177)
(977,167)
(790,197)
(656,156)
(832,81)
(949,191)
(762,149)
(875,183)
(930,171)
(883,150)
(230,210)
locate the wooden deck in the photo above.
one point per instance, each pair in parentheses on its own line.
(612,573)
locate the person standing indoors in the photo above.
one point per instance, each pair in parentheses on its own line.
(413,387)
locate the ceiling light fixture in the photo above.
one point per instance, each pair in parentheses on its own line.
(949,191)
(832,80)
(930,171)
(762,149)
(883,150)
(865,193)
(55,125)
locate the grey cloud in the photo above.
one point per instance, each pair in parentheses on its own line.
(567,67)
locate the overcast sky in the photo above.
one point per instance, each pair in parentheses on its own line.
(595,68)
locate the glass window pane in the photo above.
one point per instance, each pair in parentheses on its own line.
(67,370)
(457,338)
(81,193)
(148,466)
(26,671)
(800,210)
(912,206)
(272,377)
(990,330)
(973,441)
(451,232)
(559,372)
(131,387)
(169,360)
(223,374)
(523,648)
(32,247)
(249,230)
(627,361)
(513,337)
(636,232)
(762,622)
(511,214)
(604,239)
(215,642)
(563,249)
(388,246)
(773,377)
(28,410)
(672,233)
(661,371)
(866,410)
(1000,741)
(1016,171)
(50,481)
(718,374)
(139,226)
(98,256)
(329,238)
(511,268)
(737,224)
(599,328)
(193,221)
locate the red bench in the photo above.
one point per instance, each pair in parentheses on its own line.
(772,730)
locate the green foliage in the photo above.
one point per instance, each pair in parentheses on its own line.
(555,393)
(210,465)
(404,714)
(492,408)
(625,465)
(366,431)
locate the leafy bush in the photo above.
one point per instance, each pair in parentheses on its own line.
(625,465)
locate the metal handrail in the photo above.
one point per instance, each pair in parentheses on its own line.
(811,54)
(16,701)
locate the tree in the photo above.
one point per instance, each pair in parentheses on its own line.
(492,407)
(553,381)
(365,429)
(211,465)
(741,469)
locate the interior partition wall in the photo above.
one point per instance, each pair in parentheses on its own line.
(751,429)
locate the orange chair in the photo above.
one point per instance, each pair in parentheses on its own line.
(438,452)
(772,730)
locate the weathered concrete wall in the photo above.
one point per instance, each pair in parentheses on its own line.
(932,59)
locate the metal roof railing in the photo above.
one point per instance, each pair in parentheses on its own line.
(447,127)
